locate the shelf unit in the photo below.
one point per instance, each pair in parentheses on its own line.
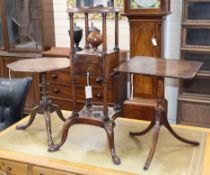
(194,96)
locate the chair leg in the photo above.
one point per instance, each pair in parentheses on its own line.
(31,119)
(110,135)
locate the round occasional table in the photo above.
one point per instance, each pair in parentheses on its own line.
(42,66)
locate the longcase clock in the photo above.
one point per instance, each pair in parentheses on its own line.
(146,32)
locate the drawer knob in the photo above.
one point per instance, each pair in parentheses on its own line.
(99,95)
(54,76)
(99,79)
(56,91)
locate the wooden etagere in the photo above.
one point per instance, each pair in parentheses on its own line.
(93,68)
(194,96)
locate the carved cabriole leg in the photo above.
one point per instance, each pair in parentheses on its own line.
(108,126)
(58,111)
(34,111)
(45,107)
(68,123)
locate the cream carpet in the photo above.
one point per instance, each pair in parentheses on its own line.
(88,145)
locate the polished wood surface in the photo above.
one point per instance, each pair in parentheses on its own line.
(168,68)
(43,64)
(160,68)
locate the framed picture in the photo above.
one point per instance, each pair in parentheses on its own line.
(95,3)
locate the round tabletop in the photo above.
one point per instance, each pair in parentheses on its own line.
(39,65)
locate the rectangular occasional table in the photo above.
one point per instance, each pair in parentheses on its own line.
(160,68)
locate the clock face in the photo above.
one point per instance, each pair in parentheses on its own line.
(136,4)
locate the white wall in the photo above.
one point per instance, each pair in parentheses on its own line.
(172,40)
(172,50)
(62,26)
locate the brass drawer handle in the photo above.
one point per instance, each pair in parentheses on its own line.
(54,76)
(99,95)
(99,79)
(56,91)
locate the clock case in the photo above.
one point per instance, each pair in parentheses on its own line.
(163,10)
(145,24)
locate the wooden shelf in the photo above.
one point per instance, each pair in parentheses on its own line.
(194,49)
(196,24)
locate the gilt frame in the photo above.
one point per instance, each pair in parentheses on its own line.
(117,4)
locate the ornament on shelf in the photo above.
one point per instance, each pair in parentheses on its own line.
(77,37)
(95,39)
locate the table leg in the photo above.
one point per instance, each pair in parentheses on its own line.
(68,123)
(108,126)
(58,111)
(34,111)
(157,126)
(160,119)
(110,135)
(151,125)
(48,128)
(45,107)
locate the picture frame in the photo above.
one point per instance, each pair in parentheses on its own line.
(95,4)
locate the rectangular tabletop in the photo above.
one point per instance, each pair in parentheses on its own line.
(160,67)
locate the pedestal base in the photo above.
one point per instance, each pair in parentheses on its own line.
(158,120)
(46,110)
(93,115)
